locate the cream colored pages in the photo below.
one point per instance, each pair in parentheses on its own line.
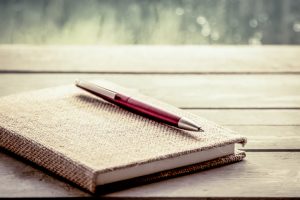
(96,135)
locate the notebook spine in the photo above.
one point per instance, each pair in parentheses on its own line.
(47,158)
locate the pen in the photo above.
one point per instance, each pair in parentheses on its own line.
(138,106)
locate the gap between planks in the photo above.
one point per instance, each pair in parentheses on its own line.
(146,73)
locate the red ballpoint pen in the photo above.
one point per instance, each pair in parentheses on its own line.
(138,106)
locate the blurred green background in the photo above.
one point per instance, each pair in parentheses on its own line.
(150,22)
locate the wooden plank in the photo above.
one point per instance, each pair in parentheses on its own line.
(189,91)
(151,59)
(251,117)
(269,138)
(260,175)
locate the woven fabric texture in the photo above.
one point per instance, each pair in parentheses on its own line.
(77,135)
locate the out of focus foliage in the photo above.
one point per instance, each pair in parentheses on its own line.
(150,21)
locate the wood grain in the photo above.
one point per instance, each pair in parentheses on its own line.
(261,174)
(188,91)
(151,59)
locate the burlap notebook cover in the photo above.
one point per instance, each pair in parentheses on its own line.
(79,136)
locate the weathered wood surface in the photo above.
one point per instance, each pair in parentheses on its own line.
(252,90)
(189,91)
(153,59)
(260,175)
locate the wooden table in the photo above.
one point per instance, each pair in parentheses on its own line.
(254,90)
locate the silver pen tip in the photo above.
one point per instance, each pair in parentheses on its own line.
(200,130)
(187,124)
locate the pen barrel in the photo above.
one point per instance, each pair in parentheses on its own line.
(147,110)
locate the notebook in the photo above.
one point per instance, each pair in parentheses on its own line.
(93,143)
